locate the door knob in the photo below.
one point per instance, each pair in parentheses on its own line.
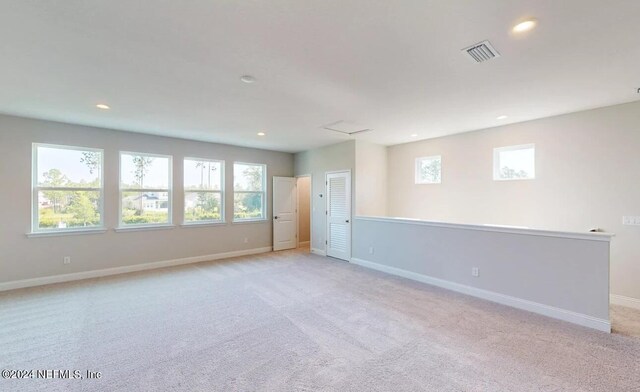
(347,221)
(275,217)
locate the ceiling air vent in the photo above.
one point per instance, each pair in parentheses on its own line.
(481,52)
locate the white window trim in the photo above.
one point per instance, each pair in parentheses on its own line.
(417,168)
(141,226)
(203,224)
(496,161)
(97,230)
(35,189)
(222,220)
(263,192)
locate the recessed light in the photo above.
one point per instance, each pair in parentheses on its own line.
(103,106)
(501,117)
(261,133)
(525,26)
(247,78)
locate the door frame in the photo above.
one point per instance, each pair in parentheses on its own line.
(310,210)
(326,208)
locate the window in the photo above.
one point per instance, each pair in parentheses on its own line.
(514,162)
(145,189)
(203,187)
(249,191)
(429,170)
(67,188)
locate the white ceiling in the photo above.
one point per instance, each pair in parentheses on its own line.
(172,67)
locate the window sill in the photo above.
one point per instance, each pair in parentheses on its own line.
(203,224)
(262,220)
(65,233)
(514,179)
(143,228)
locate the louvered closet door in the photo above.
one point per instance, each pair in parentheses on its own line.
(339,215)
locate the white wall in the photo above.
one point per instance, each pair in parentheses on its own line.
(317,162)
(560,275)
(23,258)
(371,176)
(587,167)
(304,209)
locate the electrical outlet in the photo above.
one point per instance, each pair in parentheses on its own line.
(631,220)
(246,240)
(371,250)
(66,260)
(475,271)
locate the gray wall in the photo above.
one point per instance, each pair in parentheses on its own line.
(587,169)
(565,273)
(317,162)
(22,257)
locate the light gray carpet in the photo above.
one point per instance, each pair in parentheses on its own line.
(294,321)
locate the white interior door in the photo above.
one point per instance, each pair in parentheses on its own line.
(284,213)
(339,215)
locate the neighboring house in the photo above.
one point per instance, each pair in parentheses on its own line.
(190,200)
(44,202)
(151,201)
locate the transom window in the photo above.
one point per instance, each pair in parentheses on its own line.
(67,188)
(514,163)
(145,189)
(203,191)
(429,170)
(249,191)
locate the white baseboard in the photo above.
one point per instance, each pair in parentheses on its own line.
(318,252)
(622,300)
(546,310)
(18,284)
